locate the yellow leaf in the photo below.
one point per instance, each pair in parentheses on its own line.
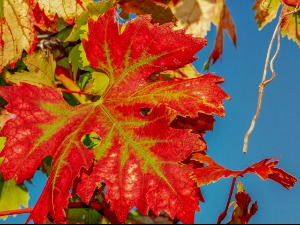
(265,11)
(16,31)
(97,84)
(197,15)
(66,9)
(41,68)
(186,72)
(12,196)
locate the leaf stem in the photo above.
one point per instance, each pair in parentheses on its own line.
(79,92)
(224,213)
(16,211)
(264,82)
(29,210)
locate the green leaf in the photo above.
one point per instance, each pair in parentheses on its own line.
(97,84)
(41,68)
(84,79)
(83,215)
(77,58)
(12,196)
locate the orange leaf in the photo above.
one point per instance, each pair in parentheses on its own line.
(291,25)
(266,11)
(160,12)
(264,169)
(225,23)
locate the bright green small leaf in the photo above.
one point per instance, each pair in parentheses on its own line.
(97,84)
(12,196)
(77,58)
(77,31)
(84,79)
(74,59)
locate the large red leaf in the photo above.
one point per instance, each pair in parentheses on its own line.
(45,125)
(140,155)
(137,172)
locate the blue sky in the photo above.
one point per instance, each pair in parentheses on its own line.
(276,132)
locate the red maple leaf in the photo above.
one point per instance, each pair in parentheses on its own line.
(140,156)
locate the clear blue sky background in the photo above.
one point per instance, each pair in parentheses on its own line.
(276,132)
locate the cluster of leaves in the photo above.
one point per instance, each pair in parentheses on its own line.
(116,114)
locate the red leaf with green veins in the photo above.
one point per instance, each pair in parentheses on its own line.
(142,49)
(45,125)
(140,155)
(139,163)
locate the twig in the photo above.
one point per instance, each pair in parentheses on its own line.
(43,36)
(264,82)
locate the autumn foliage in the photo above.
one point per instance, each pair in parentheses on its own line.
(113,112)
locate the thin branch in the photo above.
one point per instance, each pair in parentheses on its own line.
(43,36)
(264,82)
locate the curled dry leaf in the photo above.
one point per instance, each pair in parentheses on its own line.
(265,169)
